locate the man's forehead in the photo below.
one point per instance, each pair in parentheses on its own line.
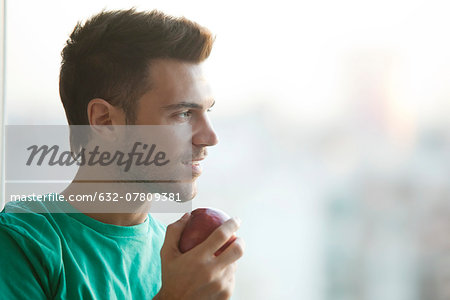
(176,75)
(174,81)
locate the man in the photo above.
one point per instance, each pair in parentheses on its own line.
(123,68)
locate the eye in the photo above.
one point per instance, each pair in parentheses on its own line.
(184,114)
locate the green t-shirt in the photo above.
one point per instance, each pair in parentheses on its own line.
(68,255)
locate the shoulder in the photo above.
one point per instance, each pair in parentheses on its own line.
(31,251)
(28,225)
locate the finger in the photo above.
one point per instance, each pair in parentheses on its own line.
(173,234)
(220,236)
(233,252)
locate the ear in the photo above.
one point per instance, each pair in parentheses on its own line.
(102,116)
(100,112)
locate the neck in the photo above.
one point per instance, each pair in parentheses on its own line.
(106,201)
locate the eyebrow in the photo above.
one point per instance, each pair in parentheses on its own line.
(186,105)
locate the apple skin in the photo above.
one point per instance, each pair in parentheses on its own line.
(201,223)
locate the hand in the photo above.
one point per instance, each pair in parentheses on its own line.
(198,274)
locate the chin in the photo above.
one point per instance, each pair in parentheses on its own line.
(188,191)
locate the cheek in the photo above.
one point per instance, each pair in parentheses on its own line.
(149,117)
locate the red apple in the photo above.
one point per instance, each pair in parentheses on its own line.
(201,223)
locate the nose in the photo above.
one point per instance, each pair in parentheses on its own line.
(203,133)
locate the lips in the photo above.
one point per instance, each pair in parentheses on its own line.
(193,161)
(195,166)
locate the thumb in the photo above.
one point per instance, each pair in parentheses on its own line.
(173,234)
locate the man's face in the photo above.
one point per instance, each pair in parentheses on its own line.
(180,95)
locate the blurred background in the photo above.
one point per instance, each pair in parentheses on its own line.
(334,128)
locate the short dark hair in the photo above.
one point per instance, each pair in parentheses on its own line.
(109,56)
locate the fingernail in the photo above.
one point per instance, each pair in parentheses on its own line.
(238,220)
